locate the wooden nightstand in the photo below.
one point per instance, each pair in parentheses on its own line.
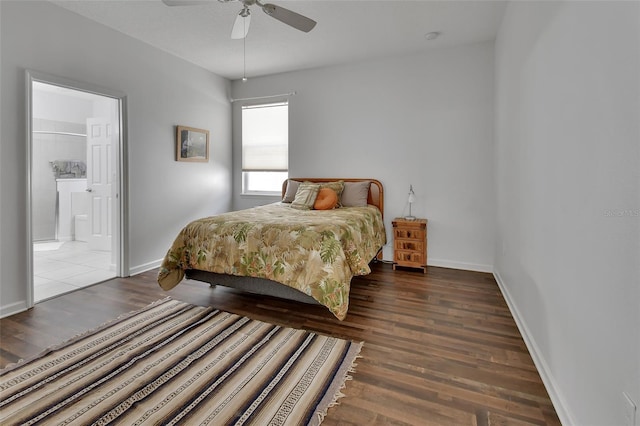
(410,243)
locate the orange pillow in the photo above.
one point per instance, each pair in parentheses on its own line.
(327,199)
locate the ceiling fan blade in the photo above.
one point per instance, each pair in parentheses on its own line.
(185,2)
(241,25)
(289,17)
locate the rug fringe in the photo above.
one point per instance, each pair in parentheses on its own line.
(337,394)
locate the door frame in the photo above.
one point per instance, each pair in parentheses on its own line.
(122,170)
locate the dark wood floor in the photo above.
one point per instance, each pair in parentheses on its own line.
(440,348)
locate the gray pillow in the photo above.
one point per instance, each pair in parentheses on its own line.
(355,194)
(290,193)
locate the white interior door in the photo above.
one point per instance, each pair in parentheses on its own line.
(100,183)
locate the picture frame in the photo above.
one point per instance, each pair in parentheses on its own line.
(192,144)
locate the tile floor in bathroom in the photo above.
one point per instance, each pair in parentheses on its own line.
(63,267)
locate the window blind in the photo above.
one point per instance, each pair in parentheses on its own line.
(265,137)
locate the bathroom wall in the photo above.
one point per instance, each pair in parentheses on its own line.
(54,112)
(48,148)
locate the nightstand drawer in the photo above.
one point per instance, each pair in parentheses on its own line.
(409,233)
(411,245)
(402,256)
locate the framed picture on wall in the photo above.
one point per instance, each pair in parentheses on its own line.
(192,144)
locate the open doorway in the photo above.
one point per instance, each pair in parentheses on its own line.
(75,181)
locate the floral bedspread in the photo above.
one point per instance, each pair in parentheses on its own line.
(314,251)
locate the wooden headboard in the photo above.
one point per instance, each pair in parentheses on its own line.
(376,193)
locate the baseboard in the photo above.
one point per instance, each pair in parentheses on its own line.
(145,267)
(13,308)
(459,265)
(555,395)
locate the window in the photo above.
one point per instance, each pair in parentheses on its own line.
(265,148)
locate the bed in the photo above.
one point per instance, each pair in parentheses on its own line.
(287,249)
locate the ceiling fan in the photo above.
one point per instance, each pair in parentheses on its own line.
(241,25)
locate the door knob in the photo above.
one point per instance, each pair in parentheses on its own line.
(89,190)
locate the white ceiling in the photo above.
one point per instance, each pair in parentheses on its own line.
(347,30)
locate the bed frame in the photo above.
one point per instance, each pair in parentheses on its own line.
(267,287)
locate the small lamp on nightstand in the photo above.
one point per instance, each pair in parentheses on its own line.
(412,199)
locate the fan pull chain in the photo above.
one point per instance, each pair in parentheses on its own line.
(244,50)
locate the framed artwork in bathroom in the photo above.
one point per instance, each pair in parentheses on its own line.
(192,144)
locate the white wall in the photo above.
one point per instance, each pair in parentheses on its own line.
(162,91)
(424,119)
(568,189)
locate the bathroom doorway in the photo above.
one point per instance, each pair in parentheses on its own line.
(75,180)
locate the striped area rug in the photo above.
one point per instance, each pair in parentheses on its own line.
(176,363)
